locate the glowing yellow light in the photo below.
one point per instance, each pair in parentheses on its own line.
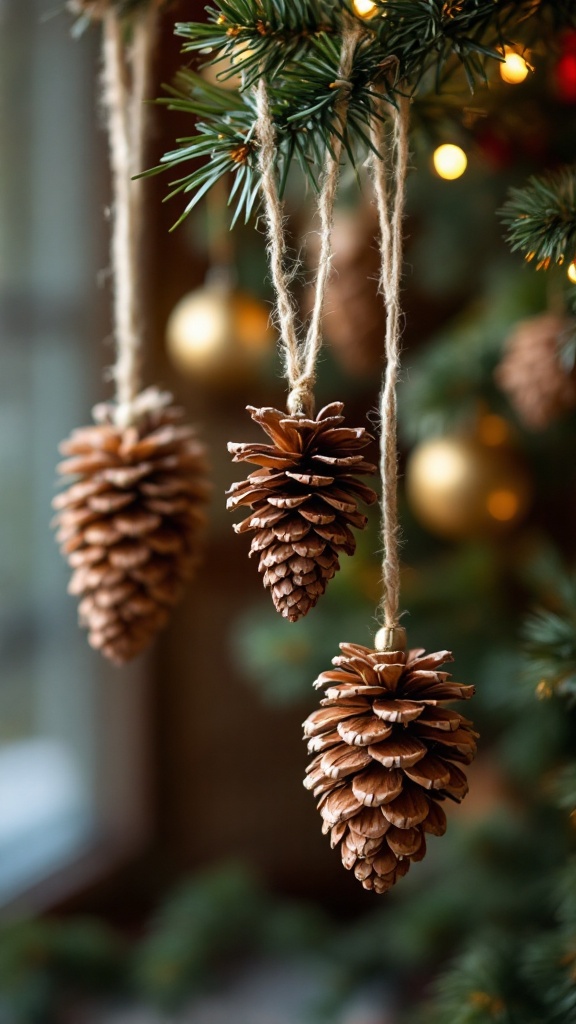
(364,8)
(218,330)
(513,68)
(502,505)
(450,161)
(572,272)
(544,691)
(199,327)
(493,430)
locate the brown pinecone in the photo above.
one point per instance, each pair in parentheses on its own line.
(304,501)
(386,748)
(129,525)
(531,373)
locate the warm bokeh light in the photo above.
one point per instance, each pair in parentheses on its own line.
(503,505)
(199,327)
(450,161)
(493,430)
(240,54)
(513,68)
(364,8)
(217,329)
(572,272)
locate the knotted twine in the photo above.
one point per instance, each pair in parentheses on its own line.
(300,354)
(389,169)
(125,79)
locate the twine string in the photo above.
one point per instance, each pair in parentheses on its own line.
(125,81)
(285,306)
(326,199)
(301,354)
(389,175)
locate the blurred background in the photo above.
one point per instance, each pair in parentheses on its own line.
(159,857)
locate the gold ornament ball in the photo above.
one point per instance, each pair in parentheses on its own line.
(468,486)
(218,332)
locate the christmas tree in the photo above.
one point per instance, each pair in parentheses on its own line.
(283,97)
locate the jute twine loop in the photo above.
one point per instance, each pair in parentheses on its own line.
(300,355)
(125,80)
(389,176)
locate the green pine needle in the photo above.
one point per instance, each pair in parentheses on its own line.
(550,648)
(413,45)
(541,218)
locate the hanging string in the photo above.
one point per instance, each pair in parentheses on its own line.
(125,82)
(389,175)
(301,355)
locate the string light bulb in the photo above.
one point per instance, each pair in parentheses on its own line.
(449,161)
(514,68)
(572,272)
(364,8)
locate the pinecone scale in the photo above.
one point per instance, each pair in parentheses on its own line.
(304,501)
(386,753)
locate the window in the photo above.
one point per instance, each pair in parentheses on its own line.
(71,730)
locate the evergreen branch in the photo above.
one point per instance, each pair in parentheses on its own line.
(481,986)
(548,971)
(541,218)
(296,45)
(550,649)
(259,36)
(224,140)
(303,108)
(431,34)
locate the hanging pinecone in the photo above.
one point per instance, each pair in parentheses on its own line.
(304,501)
(540,388)
(129,525)
(386,748)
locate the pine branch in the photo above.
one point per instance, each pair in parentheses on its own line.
(303,108)
(550,648)
(541,218)
(296,45)
(548,971)
(224,140)
(417,46)
(426,35)
(259,36)
(482,986)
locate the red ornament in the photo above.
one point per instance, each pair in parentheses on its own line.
(565,70)
(565,78)
(496,148)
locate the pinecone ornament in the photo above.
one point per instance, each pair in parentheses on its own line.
(532,374)
(129,525)
(387,751)
(304,499)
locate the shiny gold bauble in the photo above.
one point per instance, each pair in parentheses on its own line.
(464,486)
(218,332)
